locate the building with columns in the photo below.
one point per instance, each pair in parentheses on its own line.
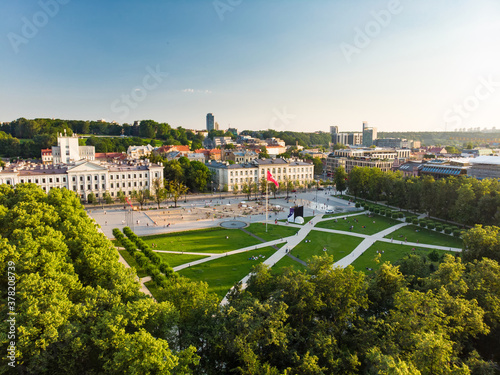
(85,177)
(252,172)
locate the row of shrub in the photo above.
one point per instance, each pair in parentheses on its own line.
(438,226)
(151,262)
(380,210)
(424,223)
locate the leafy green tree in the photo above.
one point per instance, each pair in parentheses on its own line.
(246,189)
(159,191)
(263,185)
(147,128)
(121,196)
(481,242)
(91,198)
(176,189)
(174,171)
(197,176)
(142,196)
(263,154)
(340,178)
(318,166)
(107,198)
(235,189)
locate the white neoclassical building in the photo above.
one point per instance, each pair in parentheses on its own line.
(252,172)
(85,177)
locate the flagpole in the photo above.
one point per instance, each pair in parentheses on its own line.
(267,187)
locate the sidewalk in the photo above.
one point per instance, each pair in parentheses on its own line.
(292,241)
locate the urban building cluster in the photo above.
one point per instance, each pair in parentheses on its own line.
(234,161)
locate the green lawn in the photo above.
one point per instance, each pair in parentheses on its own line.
(132,263)
(274,232)
(392,253)
(212,240)
(336,244)
(222,273)
(381,223)
(287,262)
(175,260)
(425,235)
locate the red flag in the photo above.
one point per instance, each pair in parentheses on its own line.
(130,204)
(271,178)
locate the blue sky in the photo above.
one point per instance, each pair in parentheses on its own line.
(421,65)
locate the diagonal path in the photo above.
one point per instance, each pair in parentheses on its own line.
(365,244)
(292,241)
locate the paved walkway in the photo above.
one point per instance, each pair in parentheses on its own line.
(366,244)
(292,241)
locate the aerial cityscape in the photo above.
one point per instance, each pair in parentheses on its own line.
(232,187)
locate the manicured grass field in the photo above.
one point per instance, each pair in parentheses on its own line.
(425,235)
(392,253)
(381,223)
(132,263)
(212,240)
(274,232)
(336,244)
(175,260)
(287,262)
(222,273)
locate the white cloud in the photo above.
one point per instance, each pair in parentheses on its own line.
(195,91)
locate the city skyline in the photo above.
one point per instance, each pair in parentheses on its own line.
(401,66)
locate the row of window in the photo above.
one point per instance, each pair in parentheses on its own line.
(117,177)
(114,186)
(44,180)
(246,179)
(264,171)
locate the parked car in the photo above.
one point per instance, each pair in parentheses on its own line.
(321,188)
(329,212)
(294,191)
